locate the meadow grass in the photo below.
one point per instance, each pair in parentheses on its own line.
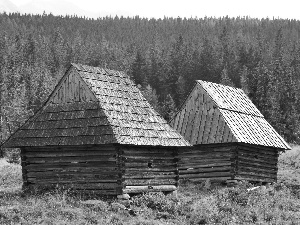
(194,203)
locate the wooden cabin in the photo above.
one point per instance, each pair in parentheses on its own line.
(97,133)
(231,138)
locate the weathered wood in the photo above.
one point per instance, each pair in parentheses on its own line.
(209,158)
(258,149)
(70,153)
(214,126)
(203,109)
(208,125)
(150,157)
(98,174)
(139,189)
(149,176)
(246,163)
(210,179)
(255,178)
(58,165)
(70,89)
(186,166)
(258,160)
(205,170)
(190,119)
(154,166)
(70,148)
(253,155)
(206,175)
(153,182)
(23,164)
(72,159)
(71,180)
(151,167)
(244,168)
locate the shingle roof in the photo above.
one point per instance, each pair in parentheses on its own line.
(245,121)
(120,115)
(230,98)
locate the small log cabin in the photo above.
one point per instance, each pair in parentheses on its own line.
(231,138)
(97,133)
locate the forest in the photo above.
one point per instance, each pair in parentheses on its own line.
(163,56)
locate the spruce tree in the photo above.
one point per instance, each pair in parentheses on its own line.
(245,80)
(225,80)
(168,108)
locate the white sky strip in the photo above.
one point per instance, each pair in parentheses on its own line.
(176,8)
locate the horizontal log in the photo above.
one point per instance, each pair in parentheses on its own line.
(70,153)
(69,173)
(204,160)
(210,178)
(148,176)
(150,157)
(205,156)
(255,178)
(142,182)
(65,181)
(254,174)
(258,156)
(206,175)
(146,169)
(257,160)
(197,149)
(141,189)
(146,160)
(148,153)
(145,165)
(256,165)
(149,172)
(204,170)
(258,149)
(96,186)
(71,159)
(70,148)
(74,169)
(199,153)
(65,166)
(256,169)
(203,165)
(152,150)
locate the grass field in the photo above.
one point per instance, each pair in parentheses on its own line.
(200,203)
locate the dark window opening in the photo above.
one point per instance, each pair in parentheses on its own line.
(149,164)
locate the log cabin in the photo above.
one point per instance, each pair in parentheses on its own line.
(231,138)
(97,133)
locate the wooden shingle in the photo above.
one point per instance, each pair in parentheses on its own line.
(227,115)
(92,105)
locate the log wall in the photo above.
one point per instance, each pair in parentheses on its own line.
(256,163)
(91,169)
(149,169)
(202,162)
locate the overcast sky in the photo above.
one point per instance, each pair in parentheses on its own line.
(191,8)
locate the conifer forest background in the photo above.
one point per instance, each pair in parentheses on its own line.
(163,56)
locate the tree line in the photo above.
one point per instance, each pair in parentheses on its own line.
(163,56)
